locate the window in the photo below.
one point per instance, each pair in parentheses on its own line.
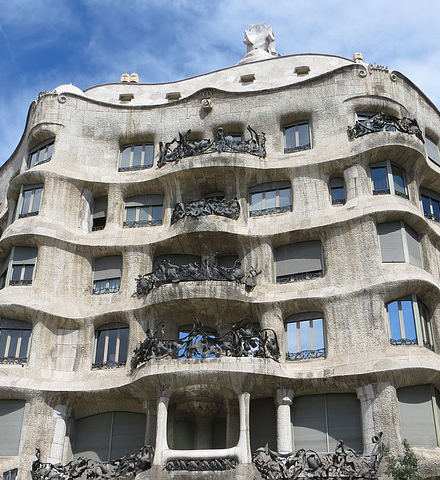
(320,421)
(30,200)
(14,341)
(297,137)
(364,119)
(143,210)
(419,410)
(107,273)
(430,204)
(41,154)
(99,216)
(298,261)
(11,420)
(432,150)
(387,178)
(410,323)
(19,266)
(197,346)
(399,243)
(108,436)
(270,198)
(111,345)
(305,336)
(337,191)
(136,157)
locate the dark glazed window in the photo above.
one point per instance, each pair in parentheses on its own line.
(432,150)
(337,191)
(22,266)
(42,154)
(430,204)
(30,200)
(143,210)
(388,178)
(107,273)
(136,157)
(111,345)
(270,198)
(14,341)
(99,213)
(297,137)
(305,336)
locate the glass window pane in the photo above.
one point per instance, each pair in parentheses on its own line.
(289,134)
(435,209)
(426,205)
(34,159)
(157,213)
(13,335)
(137,155)
(114,284)
(271,199)
(318,333)
(37,200)
(16,272)
(303,133)
(144,214)
(28,272)
(379,177)
(99,356)
(25,336)
(256,201)
(123,345)
(285,199)
(149,155)
(398,179)
(292,337)
(48,153)
(130,214)
(408,320)
(338,194)
(3,339)
(26,202)
(393,314)
(305,335)
(125,157)
(111,347)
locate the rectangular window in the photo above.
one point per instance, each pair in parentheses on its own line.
(136,157)
(107,273)
(143,210)
(298,261)
(388,179)
(99,216)
(41,154)
(111,345)
(297,137)
(364,118)
(30,200)
(11,421)
(337,191)
(23,265)
(409,323)
(430,204)
(432,150)
(305,336)
(270,198)
(399,243)
(14,341)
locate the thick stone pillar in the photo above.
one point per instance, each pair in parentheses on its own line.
(151,422)
(59,435)
(283,401)
(271,317)
(366,397)
(244,439)
(161,428)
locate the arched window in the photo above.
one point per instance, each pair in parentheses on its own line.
(14,341)
(111,345)
(305,336)
(136,157)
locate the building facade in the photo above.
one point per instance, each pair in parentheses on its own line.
(276,273)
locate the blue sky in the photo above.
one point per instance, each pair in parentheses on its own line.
(45,43)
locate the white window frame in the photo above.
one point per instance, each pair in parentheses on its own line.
(391,188)
(142,223)
(27,188)
(118,326)
(42,147)
(270,210)
(432,149)
(304,354)
(431,197)
(142,165)
(422,323)
(297,147)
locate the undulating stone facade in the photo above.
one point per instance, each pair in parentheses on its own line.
(172,278)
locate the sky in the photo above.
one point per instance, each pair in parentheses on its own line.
(47,43)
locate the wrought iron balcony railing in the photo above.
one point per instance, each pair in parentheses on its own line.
(206,206)
(306,354)
(298,277)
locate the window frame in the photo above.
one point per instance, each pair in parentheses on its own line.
(108,288)
(294,277)
(5,357)
(265,188)
(432,148)
(391,190)
(297,147)
(97,216)
(312,353)
(149,203)
(431,197)
(105,330)
(20,203)
(422,324)
(9,270)
(38,149)
(332,185)
(143,165)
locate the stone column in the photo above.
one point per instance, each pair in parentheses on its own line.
(59,435)
(244,440)
(115,208)
(283,401)
(272,317)
(232,422)
(151,422)
(161,427)
(366,396)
